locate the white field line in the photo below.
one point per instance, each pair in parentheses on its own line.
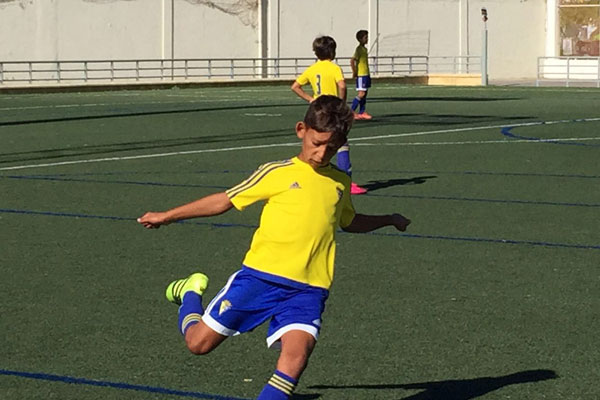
(382,86)
(176,153)
(506,141)
(562,121)
(198,100)
(263,146)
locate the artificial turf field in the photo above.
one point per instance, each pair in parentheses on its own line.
(492,293)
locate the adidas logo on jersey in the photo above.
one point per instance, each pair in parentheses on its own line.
(295,185)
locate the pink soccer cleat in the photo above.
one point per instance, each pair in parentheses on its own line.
(355,189)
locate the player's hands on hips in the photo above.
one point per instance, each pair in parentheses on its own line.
(400,222)
(153,220)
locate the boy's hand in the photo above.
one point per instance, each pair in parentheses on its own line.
(153,220)
(400,222)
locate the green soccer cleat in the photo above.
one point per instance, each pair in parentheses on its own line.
(195,282)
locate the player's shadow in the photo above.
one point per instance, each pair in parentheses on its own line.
(298,396)
(461,389)
(372,186)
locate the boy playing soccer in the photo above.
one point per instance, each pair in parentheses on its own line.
(360,70)
(326,78)
(287,272)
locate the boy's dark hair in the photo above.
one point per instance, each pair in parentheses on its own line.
(360,34)
(330,114)
(324,47)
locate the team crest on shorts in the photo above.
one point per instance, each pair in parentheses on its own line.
(225,305)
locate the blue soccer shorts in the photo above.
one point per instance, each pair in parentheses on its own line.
(247,300)
(363,83)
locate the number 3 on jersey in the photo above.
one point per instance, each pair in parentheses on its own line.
(318,85)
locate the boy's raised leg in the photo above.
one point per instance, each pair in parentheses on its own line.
(187,292)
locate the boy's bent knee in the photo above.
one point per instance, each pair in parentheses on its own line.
(198,347)
(200,339)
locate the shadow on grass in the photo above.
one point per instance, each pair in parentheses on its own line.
(425,119)
(313,396)
(460,389)
(477,99)
(162,144)
(126,112)
(372,186)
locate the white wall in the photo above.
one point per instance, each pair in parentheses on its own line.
(136,29)
(205,32)
(76,29)
(516,36)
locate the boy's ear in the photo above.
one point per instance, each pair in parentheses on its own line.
(300,129)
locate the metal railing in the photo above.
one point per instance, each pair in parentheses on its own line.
(153,70)
(569,70)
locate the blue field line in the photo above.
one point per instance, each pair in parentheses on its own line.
(115,385)
(247,172)
(506,131)
(537,203)
(421,197)
(236,225)
(140,183)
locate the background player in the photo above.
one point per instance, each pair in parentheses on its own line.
(360,70)
(326,78)
(288,270)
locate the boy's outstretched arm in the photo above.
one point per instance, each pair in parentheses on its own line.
(366,223)
(210,205)
(297,88)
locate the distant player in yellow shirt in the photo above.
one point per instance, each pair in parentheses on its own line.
(287,272)
(360,71)
(326,78)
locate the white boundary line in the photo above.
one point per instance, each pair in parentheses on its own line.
(198,100)
(506,141)
(264,146)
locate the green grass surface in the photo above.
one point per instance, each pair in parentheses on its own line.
(491,294)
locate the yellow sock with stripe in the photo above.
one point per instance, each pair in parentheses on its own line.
(279,387)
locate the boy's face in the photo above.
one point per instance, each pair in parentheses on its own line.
(364,40)
(317,147)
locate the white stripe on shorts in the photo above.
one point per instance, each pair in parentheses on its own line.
(292,327)
(210,321)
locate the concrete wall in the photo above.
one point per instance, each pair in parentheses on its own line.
(516,36)
(76,29)
(136,29)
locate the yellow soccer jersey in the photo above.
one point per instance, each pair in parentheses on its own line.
(362,60)
(304,206)
(323,77)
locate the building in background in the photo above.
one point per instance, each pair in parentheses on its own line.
(579,27)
